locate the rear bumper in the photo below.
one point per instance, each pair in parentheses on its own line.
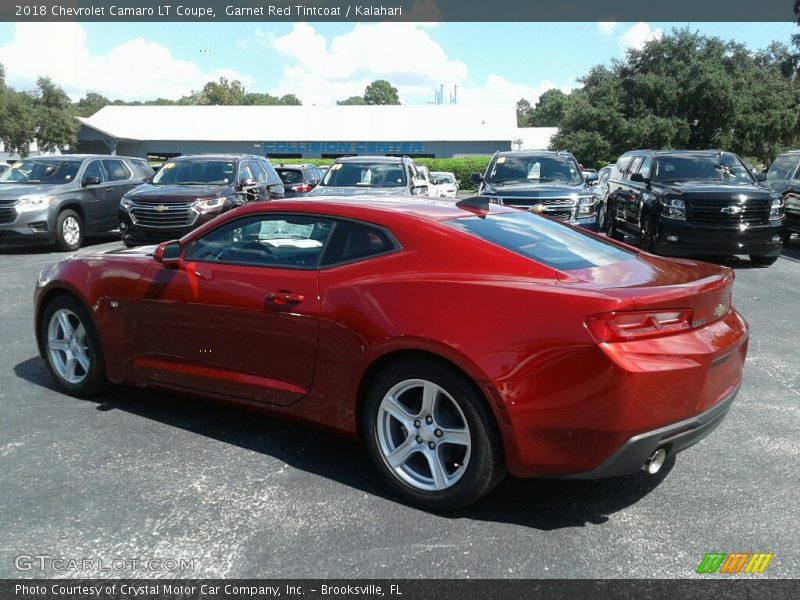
(692,239)
(634,453)
(629,399)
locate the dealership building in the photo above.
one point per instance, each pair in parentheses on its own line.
(436,130)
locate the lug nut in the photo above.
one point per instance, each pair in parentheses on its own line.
(431,445)
(438,433)
(419,439)
(417,423)
(429,419)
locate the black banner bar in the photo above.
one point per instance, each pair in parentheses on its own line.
(397,10)
(373,589)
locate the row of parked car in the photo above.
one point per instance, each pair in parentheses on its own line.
(676,203)
(60,199)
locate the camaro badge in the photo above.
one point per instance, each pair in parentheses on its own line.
(160,208)
(720,310)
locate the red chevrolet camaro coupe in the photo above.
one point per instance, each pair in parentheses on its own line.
(459,341)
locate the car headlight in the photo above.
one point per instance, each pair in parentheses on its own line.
(33,202)
(587,204)
(673,208)
(209,205)
(126,203)
(776,209)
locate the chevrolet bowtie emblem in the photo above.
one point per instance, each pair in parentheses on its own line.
(160,208)
(537,208)
(732,210)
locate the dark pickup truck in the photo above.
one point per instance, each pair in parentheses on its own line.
(685,203)
(783,176)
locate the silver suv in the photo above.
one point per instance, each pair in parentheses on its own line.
(59,199)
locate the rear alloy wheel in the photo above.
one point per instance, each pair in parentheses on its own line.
(431,435)
(69,231)
(70,347)
(763,261)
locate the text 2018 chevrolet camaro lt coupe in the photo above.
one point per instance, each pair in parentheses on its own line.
(459,341)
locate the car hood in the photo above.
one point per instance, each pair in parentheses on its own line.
(177,193)
(358,191)
(715,188)
(528,190)
(12,191)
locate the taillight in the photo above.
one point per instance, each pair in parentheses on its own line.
(303,187)
(635,324)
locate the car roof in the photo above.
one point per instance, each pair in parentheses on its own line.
(386,159)
(77,157)
(218,156)
(380,208)
(709,152)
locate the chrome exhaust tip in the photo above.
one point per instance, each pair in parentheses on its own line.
(655,462)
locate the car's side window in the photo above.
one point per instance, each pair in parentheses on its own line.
(95,169)
(116,169)
(278,241)
(272,174)
(257,170)
(634,168)
(644,168)
(352,240)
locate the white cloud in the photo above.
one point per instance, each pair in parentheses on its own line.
(497,89)
(321,72)
(607,27)
(135,69)
(638,35)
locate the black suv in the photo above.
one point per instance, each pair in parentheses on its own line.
(550,183)
(59,199)
(190,190)
(783,176)
(298,180)
(683,203)
(372,175)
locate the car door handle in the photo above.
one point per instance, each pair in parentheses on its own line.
(284,297)
(109,190)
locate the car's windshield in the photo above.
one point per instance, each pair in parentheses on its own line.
(535,169)
(442,178)
(31,170)
(711,167)
(365,174)
(290,175)
(195,172)
(545,241)
(783,167)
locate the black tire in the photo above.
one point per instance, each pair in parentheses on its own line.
(763,261)
(129,244)
(786,237)
(92,380)
(69,231)
(613,232)
(602,224)
(485,466)
(648,236)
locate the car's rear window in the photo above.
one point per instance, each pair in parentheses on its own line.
(538,238)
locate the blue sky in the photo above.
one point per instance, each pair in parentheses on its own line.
(496,62)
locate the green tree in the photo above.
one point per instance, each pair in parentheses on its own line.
(17,122)
(524,110)
(549,110)
(90,104)
(55,126)
(381,91)
(352,100)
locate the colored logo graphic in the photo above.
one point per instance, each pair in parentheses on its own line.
(741,562)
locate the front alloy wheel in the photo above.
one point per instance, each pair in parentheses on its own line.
(70,347)
(431,434)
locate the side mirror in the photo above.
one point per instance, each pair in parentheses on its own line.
(591,178)
(247,182)
(168,253)
(761,176)
(639,178)
(476,178)
(87,181)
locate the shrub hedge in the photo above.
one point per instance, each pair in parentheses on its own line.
(462,167)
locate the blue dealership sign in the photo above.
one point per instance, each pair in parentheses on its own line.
(344,147)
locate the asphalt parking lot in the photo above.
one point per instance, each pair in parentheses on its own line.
(138,474)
